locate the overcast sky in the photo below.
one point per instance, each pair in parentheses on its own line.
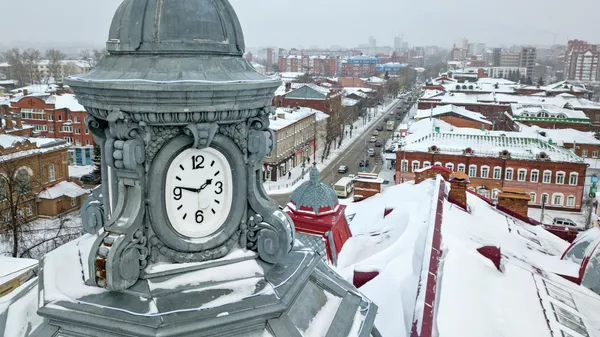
(323,23)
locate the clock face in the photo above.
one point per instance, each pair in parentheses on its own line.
(198,192)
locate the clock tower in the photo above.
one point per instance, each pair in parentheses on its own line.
(182,238)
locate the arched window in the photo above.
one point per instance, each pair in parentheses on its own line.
(472,170)
(416,165)
(51,173)
(521,174)
(571,201)
(509,174)
(497,172)
(450,166)
(547,178)
(573,177)
(560,178)
(533,197)
(437,163)
(404,166)
(426,164)
(23,181)
(557,199)
(485,172)
(535,176)
(461,168)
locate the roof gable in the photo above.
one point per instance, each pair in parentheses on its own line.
(305,92)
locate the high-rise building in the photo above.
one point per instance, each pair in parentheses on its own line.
(528,58)
(476,48)
(510,59)
(581,61)
(462,43)
(372,42)
(397,43)
(497,57)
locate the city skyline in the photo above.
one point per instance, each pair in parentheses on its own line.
(314,28)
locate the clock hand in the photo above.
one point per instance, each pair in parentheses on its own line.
(196,190)
(208,182)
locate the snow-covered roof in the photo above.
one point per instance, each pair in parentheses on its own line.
(8,141)
(545,111)
(454,140)
(36,88)
(291,116)
(65,101)
(349,101)
(472,298)
(64,188)
(374,80)
(560,136)
(321,116)
(445,109)
(11,268)
(358,91)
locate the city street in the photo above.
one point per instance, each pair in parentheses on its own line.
(353,155)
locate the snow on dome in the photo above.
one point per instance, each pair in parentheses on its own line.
(314,196)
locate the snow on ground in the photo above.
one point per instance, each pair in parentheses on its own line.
(76,171)
(473,298)
(287,185)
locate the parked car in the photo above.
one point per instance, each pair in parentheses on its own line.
(379,127)
(343,169)
(90,179)
(371,152)
(352,176)
(364,163)
(564,222)
(373,139)
(376,133)
(378,143)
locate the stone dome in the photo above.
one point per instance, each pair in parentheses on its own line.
(314,196)
(176,26)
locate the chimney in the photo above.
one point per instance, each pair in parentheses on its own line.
(25,92)
(8,121)
(3,109)
(288,86)
(515,201)
(18,121)
(458,188)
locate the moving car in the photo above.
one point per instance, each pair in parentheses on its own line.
(373,139)
(90,179)
(379,127)
(564,222)
(364,163)
(371,152)
(343,169)
(376,133)
(378,143)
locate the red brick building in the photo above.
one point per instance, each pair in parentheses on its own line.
(360,66)
(494,162)
(58,116)
(457,116)
(311,96)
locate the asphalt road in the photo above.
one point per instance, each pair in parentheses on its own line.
(353,155)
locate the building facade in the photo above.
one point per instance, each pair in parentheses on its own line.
(528,58)
(360,66)
(58,116)
(581,61)
(295,131)
(554,177)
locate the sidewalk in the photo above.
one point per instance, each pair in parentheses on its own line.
(285,185)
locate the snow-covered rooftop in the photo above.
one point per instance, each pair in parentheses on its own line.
(445,109)
(64,188)
(453,141)
(349,101)
(560,136)
(65,101)
(290,116)
(545,111)
(471,297)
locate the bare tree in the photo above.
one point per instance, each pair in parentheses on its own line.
(55,57)
(85,55)
(17,69)
(70,68)
(31,59)
(96,56)
(304,78)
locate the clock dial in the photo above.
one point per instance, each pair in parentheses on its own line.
(198,192)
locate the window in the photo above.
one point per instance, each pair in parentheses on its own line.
(86,131)
(571,201)
(77,131)
(404,166)
(68,139)
(23,181)
(573,177)
(544,199)
(595,154)
(509,174)
(77,120)
(38,128)
(450,166)
(87,142)
(51,173)
(497,173)
(73,201)
(426,164)
(472,170)
(560,178)
(485,172)
(51,118)
(461,168)
(584,153)
(66,128)
(557,199)
(59,118)
(37,114)
(547,177)
(51,129)
(495,194)
(437,163)
(521,174)
(415,165)
(533,197)
(29,210)
(535,176)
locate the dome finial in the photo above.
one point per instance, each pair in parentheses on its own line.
(315,175)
